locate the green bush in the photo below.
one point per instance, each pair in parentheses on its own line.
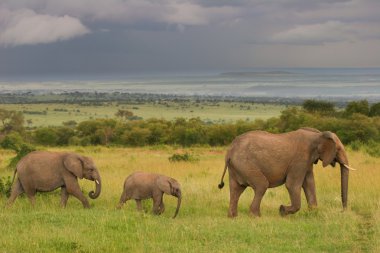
(320,106)
(361,107)
(356,145)
(136,136)
(373,149)
(186,157)
(46,136)
(5,186)
(12,141)
(374,110)
(20,153)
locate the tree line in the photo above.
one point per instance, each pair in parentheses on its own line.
(357,124)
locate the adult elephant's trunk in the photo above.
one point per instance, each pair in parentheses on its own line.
(178,206)
(98,185)
(344,171)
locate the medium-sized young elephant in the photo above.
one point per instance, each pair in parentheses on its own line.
(43,171)
(143,185)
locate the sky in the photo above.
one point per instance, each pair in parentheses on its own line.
(69,37)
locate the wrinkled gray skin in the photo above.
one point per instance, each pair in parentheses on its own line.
(43,171)
(143,185)
(262,160)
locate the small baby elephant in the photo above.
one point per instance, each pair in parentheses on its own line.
(143,185)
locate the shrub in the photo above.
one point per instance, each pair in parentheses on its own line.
(323,107)
(46,136)
(186,157)
(20,153)
(12,141)
(373,148)
(361,107)
(5,186)
(374,110)
(137,136)
(356,145)
(221,134)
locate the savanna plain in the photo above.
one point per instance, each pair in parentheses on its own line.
(202,224)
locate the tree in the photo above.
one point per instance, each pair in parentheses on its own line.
(11,121)
(137,136)
(361,107)
(124,114)
(313,106)
(46,136)
(374,110)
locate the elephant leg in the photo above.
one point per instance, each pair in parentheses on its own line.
(260,185)
(235,191)
(139,205)
(162,205)
(73,188)
(157,202)
(30,193)
(64,196)
(32,199)
(309,189)
(294,190)
(123,199)
(16,191)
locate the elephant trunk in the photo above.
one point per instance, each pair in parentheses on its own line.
(98,185)
(344,184)
(178,206)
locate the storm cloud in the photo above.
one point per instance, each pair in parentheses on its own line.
(181,35)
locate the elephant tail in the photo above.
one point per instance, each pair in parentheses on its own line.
(221,185)
(14,176)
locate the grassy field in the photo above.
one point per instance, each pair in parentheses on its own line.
(202,224)
(212,111)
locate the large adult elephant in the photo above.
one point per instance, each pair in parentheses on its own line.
(264,160)
(43,171)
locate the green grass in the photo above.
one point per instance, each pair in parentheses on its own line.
(202,224)
(218,111)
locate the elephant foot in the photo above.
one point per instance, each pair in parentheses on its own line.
(285,210)
(312,207)
(255,214)
(232,215)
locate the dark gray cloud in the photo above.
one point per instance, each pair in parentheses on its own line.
(90,36)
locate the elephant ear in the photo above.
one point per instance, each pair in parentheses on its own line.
(327,148)
(164,185)
(74,164)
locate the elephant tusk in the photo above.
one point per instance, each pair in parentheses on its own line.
(348,167)
(96,181)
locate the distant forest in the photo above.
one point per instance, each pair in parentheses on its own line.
(97,98)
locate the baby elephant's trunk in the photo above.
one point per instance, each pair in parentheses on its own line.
(178,206)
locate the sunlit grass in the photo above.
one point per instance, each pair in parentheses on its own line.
(202,224)
(228,111)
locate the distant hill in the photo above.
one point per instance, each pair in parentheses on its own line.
(253,74)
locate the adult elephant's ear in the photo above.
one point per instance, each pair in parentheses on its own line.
(327,148)
(74,165)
